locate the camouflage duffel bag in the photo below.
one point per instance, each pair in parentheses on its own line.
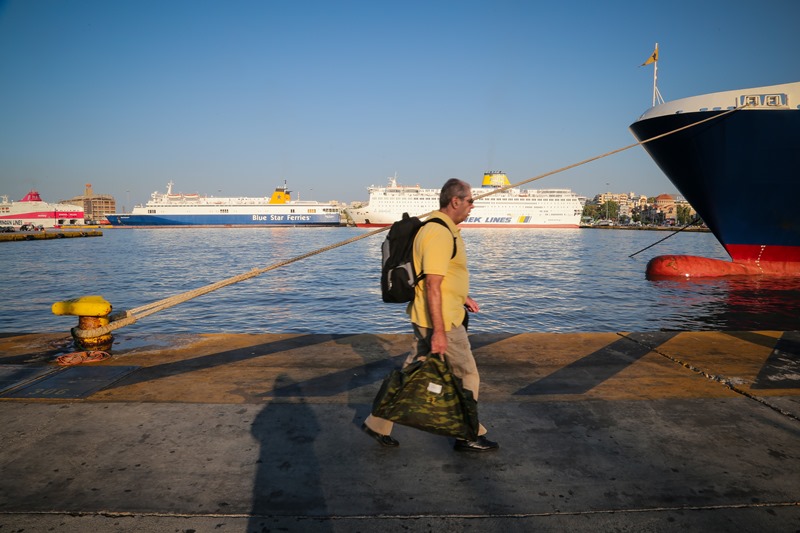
(427,396)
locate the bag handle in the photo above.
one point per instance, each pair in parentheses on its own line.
(440,356)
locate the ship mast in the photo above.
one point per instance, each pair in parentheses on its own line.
(657,98)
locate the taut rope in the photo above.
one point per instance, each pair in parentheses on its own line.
(692,223)
(126,318)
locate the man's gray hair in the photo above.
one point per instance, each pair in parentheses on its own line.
(453,188)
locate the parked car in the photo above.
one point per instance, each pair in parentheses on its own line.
(6,229)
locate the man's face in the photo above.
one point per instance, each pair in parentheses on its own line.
(463,206)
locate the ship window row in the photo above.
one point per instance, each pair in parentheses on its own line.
(153,211)
(497,199)
(503,200)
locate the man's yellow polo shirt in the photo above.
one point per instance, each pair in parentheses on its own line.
(433,247)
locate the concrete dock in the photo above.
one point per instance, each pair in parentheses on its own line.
(659,431)
(49,234)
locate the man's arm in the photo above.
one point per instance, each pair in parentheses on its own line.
(433,284)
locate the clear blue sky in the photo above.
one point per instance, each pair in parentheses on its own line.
(233,97)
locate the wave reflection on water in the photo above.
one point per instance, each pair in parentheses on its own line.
(524,280)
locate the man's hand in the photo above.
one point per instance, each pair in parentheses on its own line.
(439,343)
(471,305)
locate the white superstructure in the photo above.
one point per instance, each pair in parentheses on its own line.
(512,208)
(33,210)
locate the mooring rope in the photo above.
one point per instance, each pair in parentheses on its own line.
(126,318)
(129,317)
(692,223)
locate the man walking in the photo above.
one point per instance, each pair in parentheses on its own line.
(438,311)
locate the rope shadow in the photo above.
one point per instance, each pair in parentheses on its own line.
(339,382)
(782,368)
(590,371)
(482,340)
(371,372)
(175,368)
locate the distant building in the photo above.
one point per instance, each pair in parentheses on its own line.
(665,203)
(662,209)
(628,203)
(664,200)
(665,209)
(95,206)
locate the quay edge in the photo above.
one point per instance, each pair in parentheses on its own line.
(227,432)
(48,234)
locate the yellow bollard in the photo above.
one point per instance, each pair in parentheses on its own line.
(92,313)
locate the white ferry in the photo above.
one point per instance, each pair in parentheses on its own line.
(175,209)
(512,208)
(35,211)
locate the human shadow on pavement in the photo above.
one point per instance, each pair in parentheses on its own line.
(287,480)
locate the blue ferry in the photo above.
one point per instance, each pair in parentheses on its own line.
(176,209)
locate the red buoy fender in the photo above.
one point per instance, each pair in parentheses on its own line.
(692,266)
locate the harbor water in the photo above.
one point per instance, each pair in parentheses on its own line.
(580,280)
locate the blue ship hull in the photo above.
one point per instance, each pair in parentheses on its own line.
(741,172)
(224,220)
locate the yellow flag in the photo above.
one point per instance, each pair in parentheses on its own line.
(652,59)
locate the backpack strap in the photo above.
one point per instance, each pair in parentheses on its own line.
(439,221)
(443,223)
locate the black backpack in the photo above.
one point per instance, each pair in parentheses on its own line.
(398,277)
